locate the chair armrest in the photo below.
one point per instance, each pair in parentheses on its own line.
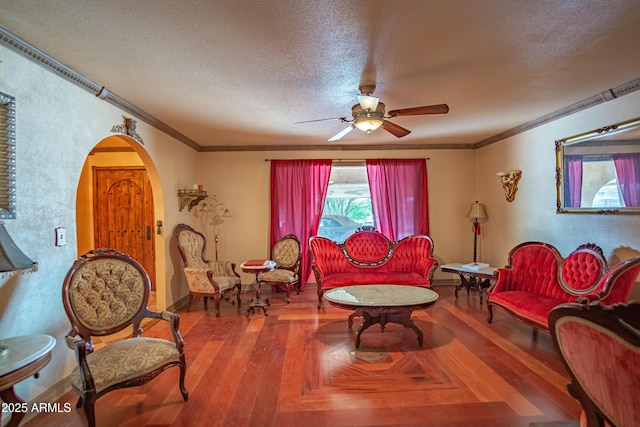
(431,265)
(223,269)
(199,279)
(587,298)
(174,321)
(73,337)
(233,268)
(80,349)
(505,281)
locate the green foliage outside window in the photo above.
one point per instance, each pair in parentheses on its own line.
(358,209)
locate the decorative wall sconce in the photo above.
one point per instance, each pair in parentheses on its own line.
(128,127)
(189,198)
(509,181)
(212,213)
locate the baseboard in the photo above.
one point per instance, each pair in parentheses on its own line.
(446,282)
(52,395)
(178,304)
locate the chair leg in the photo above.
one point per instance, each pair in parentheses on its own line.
(490,309)
(88,405)
(216,302)
(189,302)
(238,296)
(288,287)
(183,389)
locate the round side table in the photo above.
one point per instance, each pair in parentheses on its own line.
(257,269)
(24,356)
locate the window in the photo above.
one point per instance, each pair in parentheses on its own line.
(347,206)
(600,184)
(7,157)
(608,196)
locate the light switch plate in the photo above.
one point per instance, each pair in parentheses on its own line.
(61,236)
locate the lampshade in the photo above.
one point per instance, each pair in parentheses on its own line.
(477,212)
(11,257)
(368,102)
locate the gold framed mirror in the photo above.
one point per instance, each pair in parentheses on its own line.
(7,157)
(598,172)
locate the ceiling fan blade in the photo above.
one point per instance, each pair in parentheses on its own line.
(344,119)
(394,129)
(340,134)
(418,111)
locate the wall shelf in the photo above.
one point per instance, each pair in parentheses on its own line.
(190,198)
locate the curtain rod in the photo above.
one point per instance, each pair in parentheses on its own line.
(345,160)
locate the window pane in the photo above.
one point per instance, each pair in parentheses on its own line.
(348,203)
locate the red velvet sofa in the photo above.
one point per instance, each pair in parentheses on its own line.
(368,257)
(537,279)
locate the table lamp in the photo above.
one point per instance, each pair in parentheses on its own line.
(477,214)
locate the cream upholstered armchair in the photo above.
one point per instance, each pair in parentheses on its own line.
(208,279)
(104,292)
(286,254)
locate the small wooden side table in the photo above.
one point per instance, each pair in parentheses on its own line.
(477,279)
(25,356)
(257,269)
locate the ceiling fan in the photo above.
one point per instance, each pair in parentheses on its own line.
(368,115)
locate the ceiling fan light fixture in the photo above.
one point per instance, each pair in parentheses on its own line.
(369,121)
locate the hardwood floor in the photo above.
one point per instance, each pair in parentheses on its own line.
(298,367)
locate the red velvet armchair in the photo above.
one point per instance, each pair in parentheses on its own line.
(600,348)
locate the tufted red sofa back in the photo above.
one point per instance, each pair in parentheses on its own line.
(539,268)
(367,247)
(582,270)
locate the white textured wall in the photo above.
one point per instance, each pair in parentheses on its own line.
(57,125)
(532,216)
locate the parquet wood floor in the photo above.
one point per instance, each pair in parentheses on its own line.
(298,367)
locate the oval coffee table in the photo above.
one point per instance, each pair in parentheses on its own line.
(382,304)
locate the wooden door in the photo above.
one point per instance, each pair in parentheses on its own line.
(123,214)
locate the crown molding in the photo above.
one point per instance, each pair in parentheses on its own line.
(608,95)
(343,147)
(27,50)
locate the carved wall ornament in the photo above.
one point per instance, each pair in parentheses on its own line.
(128,128)
(509,181)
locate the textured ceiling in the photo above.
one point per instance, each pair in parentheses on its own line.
(241,72)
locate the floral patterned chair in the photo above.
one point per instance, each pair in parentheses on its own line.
(208,279)
(286,254)
(104,292)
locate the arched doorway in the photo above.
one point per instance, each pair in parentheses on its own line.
(118,204)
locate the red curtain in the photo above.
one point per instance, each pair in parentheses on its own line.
(628,175)
(573,191)
(399,196)
(298,190)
